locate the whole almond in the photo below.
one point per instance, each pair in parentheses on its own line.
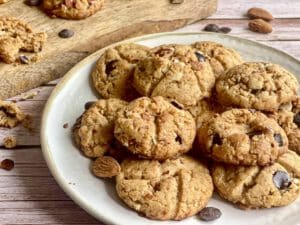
(106,166)
(260,26)
(259,13)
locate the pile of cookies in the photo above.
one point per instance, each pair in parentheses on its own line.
(176,122)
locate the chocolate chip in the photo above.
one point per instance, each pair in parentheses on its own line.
(66,33)
(211,28)
(278,139)
(7,164)
(224,30)
(32,2)
(200,57)
(217,139)
(88,104)
(66,125)
(297,119)
(209,214)
(23,59)
(176,1)
(254,133)
(176,105)
(178,139)
(254,91)
(281,180)
(110,66)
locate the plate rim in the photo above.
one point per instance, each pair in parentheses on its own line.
(63,184)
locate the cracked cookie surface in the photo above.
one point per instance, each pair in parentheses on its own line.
(176,72)
(169,190)
(93,131)
(262,86)
(242,137)
(17,36)
(220,58)
(112,76)
(154,128)
(259,187)
(72,9)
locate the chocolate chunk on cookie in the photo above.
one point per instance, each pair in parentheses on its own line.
(72,9)
(242,137)
(93,131)
(17,36)
(154,128)
(171,190)
(112,75)
(262,86)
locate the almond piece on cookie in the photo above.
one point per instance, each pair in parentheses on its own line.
(106,166)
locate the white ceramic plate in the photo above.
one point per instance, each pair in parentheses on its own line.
(98,197)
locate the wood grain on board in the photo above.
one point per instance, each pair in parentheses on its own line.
(119,19)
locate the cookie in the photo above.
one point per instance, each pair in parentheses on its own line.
(257,85)
(259,187)
(112,76)
(17,36)
(220,58)
(169,190)
(176,72)
(93,131)
(3,1)
(10,114)
(289,120)
(72,9)
(242,137)
(154,128)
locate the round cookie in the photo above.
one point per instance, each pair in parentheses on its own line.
(169,190)
(259,187)
(242,137)
(176,72)
(72,9)
(154,128)
(220,58)
(262,86)
(16,36)
(112,76)
(93,131)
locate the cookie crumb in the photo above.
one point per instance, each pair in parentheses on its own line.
(7,164)
(66,125)
(27,123)
(10,142)
(10,114)
(29,95)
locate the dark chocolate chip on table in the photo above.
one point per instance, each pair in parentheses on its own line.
(23,59)
(224,30)
(7,164)
(278,139)
(32,2)
(200,57)
(88,104)
(281,180)
(211,28)
(209,214)
(297,119)
(66,33)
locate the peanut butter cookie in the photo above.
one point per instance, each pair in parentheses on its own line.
(169,190)
(112,76)
(262,86)
(154,128)
(242,137)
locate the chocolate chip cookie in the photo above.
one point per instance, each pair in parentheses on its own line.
(220,58)
(93,131)
(242,137)
(17,36)
(72,9)
(169,190)
(262,86)
(154,128)
(176,72)
(112,76)
(260,187)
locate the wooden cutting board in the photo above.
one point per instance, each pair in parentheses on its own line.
(119,19)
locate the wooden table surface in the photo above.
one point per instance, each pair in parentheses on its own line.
(30,195)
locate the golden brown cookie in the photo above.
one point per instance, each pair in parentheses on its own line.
(17,36)
(220,58)
(154,128)
(169,190)
(257,85)
(93,131)
(3,1)
(260,187)
(10,114)
(112,76)
(242,137)
(72,9)
(176,72)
